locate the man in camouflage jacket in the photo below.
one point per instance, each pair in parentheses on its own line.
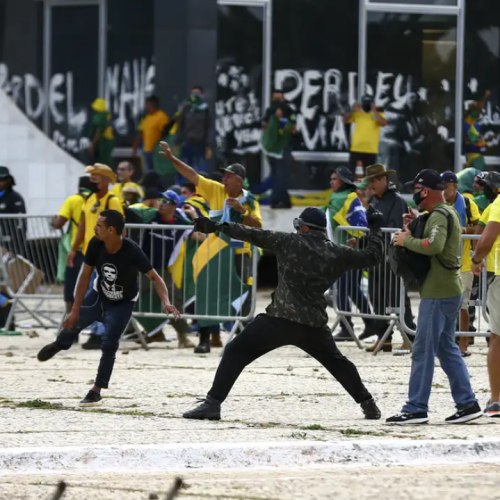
(308,264)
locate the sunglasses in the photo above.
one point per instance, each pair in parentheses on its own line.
(164,201)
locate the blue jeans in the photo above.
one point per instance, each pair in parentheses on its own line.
(280,172)
(96,328)
(436,326)
(349,287)
(194,156)
(115,318)
(149,163)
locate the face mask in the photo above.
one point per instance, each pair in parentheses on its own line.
(475,115)
(489,193)
(94,187)
(418,198)
(366,107)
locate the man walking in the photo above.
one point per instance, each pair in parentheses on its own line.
(441,297)
(384,288)
(490,240)
(308,264)
(118,262)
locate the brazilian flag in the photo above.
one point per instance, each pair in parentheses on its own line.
(216,285)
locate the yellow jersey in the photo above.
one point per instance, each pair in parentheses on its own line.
(366,135)
(92,208)
(71,210)
(216,197)
(152,127)
(492,214)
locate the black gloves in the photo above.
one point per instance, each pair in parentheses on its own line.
(375,219)
(205,225)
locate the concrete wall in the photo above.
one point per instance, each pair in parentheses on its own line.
(44,173)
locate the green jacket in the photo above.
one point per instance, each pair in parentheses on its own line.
(441,283)
(277,135)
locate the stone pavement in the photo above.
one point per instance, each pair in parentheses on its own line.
(470,482)
(285,395)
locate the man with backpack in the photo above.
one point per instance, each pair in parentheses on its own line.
(71,210)
(441,292)
(468,213)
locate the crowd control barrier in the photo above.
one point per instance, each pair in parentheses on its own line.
(381,299)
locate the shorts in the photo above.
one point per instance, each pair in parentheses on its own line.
(493,302)
(467,281)
(71,278)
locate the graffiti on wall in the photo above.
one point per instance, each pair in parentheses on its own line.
(237,110)
(126,87)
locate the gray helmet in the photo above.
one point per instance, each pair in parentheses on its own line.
(492,179)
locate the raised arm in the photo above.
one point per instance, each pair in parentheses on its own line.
(269,240)
(185,170)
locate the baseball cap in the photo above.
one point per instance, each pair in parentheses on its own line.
(236,169)
(449,177)
(429,179)
(171,196)
(492,179)
(312,217)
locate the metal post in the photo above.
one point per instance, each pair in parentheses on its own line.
(362,36)
(459,86)
(103,21)
(47,37)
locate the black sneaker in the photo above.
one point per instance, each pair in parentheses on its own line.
(208,410)
(371,410)
(47,352)
(409,418)
(470,412)
(202,348)
(93,398)
(343,336)
(94,342)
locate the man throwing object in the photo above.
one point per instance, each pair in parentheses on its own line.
(111,301)
(308,264)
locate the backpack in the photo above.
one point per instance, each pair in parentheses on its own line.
(414,267)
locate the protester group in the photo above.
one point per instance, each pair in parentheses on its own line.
(223,220)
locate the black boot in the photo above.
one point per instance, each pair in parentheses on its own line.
(370,409)
(94,342)
(343,335)
(208,410)
(204,346)
(49,351)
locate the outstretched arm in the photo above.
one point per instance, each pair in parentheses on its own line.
(268,240)
(185,170)
(162,291)
(370,256)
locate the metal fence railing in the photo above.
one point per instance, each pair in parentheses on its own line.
(380,298)
(210,279)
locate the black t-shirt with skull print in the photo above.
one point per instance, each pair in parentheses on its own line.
(117,273)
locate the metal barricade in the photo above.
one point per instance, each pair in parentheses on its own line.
(28,269)
(382,297)
(376,292)
(210,279)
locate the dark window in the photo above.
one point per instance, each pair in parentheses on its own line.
(130,72)
(482,68)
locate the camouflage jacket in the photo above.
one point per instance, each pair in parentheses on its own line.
(308,265)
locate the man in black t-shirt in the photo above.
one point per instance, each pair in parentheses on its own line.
(111,300)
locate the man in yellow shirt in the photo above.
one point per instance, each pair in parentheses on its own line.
(101,176)
(489,240)
(125,173)
(228,202)
(468,213)
(366,136)
(151,130)
(71,211)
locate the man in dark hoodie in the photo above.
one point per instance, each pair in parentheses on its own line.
(383,284)
(193,131)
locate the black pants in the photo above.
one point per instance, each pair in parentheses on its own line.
(267,333)
(115,318)
(366,159)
